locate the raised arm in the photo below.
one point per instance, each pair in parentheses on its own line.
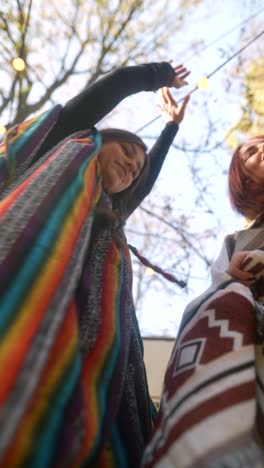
(87,108)
(96,101)
(173,115)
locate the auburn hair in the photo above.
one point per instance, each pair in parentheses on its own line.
(246,195)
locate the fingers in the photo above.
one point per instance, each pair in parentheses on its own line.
(240,274)
(181,72)
(178,82)
(185,102)
(182,75)
(183,107)
(243,277)
(249,283)
(168,98)
(169,108)
(238,259)
(235,269)
(180,69)
(166,95)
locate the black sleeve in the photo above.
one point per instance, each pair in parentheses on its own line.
(87,108)
(157,156)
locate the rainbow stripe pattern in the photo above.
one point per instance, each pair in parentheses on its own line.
(73,390)
(69,336)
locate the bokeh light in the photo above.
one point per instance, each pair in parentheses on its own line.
(2,129)
(149,271)
(18,64)
(203,83)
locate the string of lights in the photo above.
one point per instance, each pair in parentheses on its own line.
(19,64)
(203,82)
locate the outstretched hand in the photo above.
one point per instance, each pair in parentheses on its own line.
(181,73)
(170,110)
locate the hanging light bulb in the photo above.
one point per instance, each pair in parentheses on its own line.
(18,64)
(149,271)
(2,129)
(203,83)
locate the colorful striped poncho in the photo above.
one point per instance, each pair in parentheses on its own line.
(73,389)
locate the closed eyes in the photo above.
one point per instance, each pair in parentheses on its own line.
(250,152)
(125,150)
(130,154)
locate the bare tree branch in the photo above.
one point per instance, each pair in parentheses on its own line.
(181,232)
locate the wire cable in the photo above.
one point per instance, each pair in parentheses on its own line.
(210,75)
(222,36)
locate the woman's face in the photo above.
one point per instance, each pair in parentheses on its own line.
(120,164)
(252,154)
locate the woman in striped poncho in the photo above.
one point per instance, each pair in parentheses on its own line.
(73,388)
